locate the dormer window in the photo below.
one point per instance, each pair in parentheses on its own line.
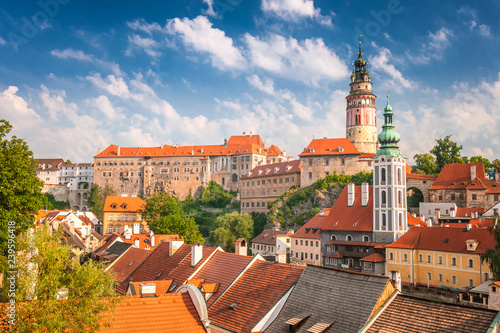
(341,149)
(472,245)
(124,206)
(113,205)
(311,150)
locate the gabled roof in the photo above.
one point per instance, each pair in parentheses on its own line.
(118,248)
(171,313)
(268,236)
(222,269)
(145,239)
(415,315)
(419,176)
(48,164)
(119,204)
(312,228)
(354,218)
(445,239)
(127,263)
(274,151)
(329,147)
(108,241)
(458,176)
(162,286)
(374,257)
(269,170)
(253,295)
(345,299)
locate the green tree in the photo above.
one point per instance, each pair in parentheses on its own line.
(52,203)
(97,198)
(495,164)
(446,151)
(259,223)
(46,271)
(479,159)
(20,189)
(492,256)
(362,177)
(68,161)
(214,196)
(415,198)
(425,164)
(228,228)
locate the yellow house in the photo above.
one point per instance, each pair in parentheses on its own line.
(120,211)
(440,256)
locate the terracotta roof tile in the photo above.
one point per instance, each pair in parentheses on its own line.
(458,176)
(162,286)
(269,170)
(172,313)
(374,257)
(329,147)
(418,176)
(254,294)
(123,204)
(127,263)
(268,236)
(312,228)
(274,151)
(46,162)
(145,239)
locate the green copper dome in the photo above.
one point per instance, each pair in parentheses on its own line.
(388,138)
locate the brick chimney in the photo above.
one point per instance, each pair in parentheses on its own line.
(196,254)
(364,194)
(240,247)
(472,172)
(350,194)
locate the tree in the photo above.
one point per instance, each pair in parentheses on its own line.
(228,228)
(52,203)
(215,196)
(495,164)
(47,273)
(259,223)
(479,159)
(425,164)
(68,161)
(20,189)
(446,151)
(362,177)
(97,198)
(493,255)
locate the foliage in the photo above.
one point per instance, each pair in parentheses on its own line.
(362,177)
(259,223)
(495,165)
(68,161)
(425,164)
(20,189)
(97,198)
(230,227)
(493,255)
(52,203)
(479,159)
(45,268)
(415,198)
(165,216)
(214,196)
(446,151)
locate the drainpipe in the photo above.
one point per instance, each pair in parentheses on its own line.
(411,268)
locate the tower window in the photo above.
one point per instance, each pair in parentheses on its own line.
(384,222)
(384,198)
(383,174)
(358,119)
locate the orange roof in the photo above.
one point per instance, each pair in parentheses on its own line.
(312,228)
(268,236)
(419,176)
(444,239)
(329,147)
(196,282)
(48,164)
(374,257)
(145,239)
(128,262)
(274,151)
(173,313)
(268,170)
(458,176)
(413,221)
(210,287)
(408,168)
(355,218)
(118,204)
(466,211)
(162,286)
(253,295)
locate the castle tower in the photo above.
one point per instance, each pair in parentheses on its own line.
(361,118)
(389,185)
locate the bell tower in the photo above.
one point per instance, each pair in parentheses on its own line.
(390,219)
(361,117)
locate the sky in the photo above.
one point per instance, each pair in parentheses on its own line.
(76,76)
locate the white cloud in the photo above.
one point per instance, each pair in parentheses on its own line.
(199,35)
(103,104)
(267,86)
(301,111)
(470,18)
(210,10)
(382,63)
(142,25)
(135,137)
(82,56)
(434,47)
(16,110)
(309,61)
(112,84)
(58,108)
(295,10)
(2,41)
(484,30)
(148,45)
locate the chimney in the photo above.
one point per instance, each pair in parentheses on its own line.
(225,142)
(137,229)
(127,233)
(152,240)
(453,212)
(472,172)
(437,213)
(468,226)
(72,227)
(284,153)
(147,289)
(98,150)
(136,243)
(364,194)
(118,152)
(240,247)
(250,133)
(196,254)
(350,194)
(496,175)
(429,222)
(244,133)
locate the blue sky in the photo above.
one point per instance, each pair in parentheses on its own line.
(76,76)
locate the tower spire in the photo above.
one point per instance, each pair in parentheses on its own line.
(388,138)
(360,54)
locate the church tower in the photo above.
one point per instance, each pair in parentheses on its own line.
(390,219)
(361,118)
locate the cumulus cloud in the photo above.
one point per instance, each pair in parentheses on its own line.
(433,48)
(16,110)
(383,62)
(295,10)
(113,85)
(103,104)
(148,45)
(82,56)
(267,86)
(142,25)
(199,35)
(309,61)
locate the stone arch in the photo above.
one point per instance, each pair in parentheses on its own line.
(421,182)
(76,207)
(414,196)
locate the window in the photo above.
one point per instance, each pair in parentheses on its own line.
(348,238)
(110,229)
(453,261)
(454,279)
(118,217)
(234,178)
(368,266)
(307,243)
(111,217)
(471,263)
(471,283)
(440,277)
(317,257)
(384,198)
(474,197)
(118,229)
(429,276)
(310,175)
(333,237)
(391,255)
(305,255)
(440,260)
(342,161)
(301,242)
(310,162)
(486,276)
(366,238)
(317,245)
(420,258)
(382,177)
(429,259)
(405,257)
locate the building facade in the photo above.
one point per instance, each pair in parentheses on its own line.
(273,245)
(265,183)
(122,213)
(306,242)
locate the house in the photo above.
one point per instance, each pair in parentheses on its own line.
(440,257)
(467,185)
(251,302)
(120,213)
(332,300)
(415,315)
(148,241)
(272,244)
(47,170)
(265,183)
(127,262)
(306,242)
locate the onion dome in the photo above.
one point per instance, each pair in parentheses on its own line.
(388,138)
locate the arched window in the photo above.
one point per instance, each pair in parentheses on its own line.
(384,222)
(399,175)
(366,238)
(384,198)
(234,178)
(400,221)
(382,178)
(333,237)
(348,238)
(358,119)
(400,200)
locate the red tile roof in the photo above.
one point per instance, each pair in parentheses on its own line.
(222,269)
(374,257)
(162,286)
(274,151)
(418,176)
(48,164)
(268,236)
(355,218)
(123,204)
(145,239)
(329,147)
(312,228)
(171,313)
(269,170)
(458,176)
(466,211)
(414,221)
(254,294)
(127,263)
(108,242)
(444,239)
